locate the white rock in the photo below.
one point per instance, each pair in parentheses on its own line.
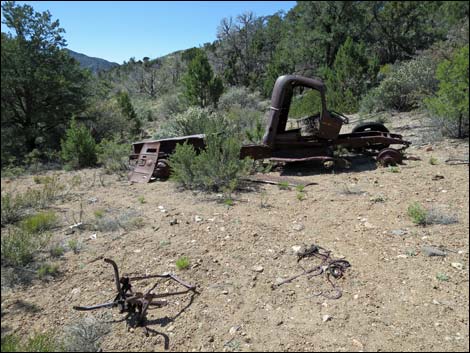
(326,318)
(296,249)
(258,268)
(233,330)
(161,207)
(298,226)
(93,236)
(457,265)
(198,218)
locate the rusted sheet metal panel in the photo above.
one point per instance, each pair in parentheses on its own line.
(144,163)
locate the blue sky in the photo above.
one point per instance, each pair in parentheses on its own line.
(118,30)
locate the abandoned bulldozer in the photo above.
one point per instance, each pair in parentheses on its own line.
(316,140)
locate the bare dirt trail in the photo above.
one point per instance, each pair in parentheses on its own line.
(392,299)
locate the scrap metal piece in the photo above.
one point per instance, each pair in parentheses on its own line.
(329,266)
(389,156)
(137,303)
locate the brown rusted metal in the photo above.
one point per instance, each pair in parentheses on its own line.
(316,140)
(137,303)
(329,266)
(389,156)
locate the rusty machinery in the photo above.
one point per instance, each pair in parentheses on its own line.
(317,142)
(137,303)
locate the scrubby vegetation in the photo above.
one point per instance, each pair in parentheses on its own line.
(423,65)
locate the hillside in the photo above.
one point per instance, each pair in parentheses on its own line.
(394,296)
(94,64)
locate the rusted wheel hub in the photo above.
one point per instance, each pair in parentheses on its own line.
(389,156)
(162,170)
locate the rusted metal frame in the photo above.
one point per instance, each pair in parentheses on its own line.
(333,267)
(130,301)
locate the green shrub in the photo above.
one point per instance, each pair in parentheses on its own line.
(403,88)
(217,168)
(433,161)
(12,208)
(79,147)
(283,185)
(18,247)
(182,165)
(195,120)
(39,342)
(417,213)
(240,97)
(47,269)
(113,156)
(39,222)
(182,263)
(57,250)
(11,343)
(450,106)
(74,245)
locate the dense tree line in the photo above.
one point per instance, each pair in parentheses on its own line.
(362,49)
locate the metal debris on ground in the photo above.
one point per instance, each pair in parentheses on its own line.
(456,161)
(332,268)
(136,304)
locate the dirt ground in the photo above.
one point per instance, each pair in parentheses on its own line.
(394,297)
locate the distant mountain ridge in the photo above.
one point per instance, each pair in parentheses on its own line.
(94,64)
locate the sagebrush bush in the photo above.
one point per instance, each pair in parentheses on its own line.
(79,147)
(19,246)
(181,162)
(84,335)
(240,97)
(113,156)
(12,208)
(217,168)
(404,87)
(195,120)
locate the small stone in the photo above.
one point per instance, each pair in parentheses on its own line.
(75,291)
(279,323)
(258,268)
(326,318)
(171,328)
(398,232)
(198,218)
(138,251)
(233,330)
(298,227)
(358,343)
(93,236)
(173,222)
(429,149)
(356,296)
(368,225)
(431,251)
(161,207)
(225,292)
(297,249)
(457,265)
(92,200)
